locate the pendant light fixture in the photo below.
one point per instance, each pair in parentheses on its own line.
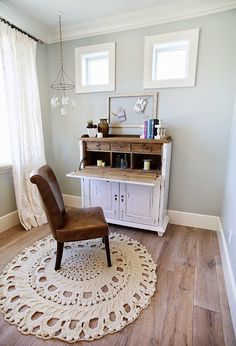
(63,87)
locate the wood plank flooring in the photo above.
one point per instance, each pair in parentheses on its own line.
(190,304)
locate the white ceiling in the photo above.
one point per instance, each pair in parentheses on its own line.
(80,11)
(83,18)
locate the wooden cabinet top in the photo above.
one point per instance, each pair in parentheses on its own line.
(126,139)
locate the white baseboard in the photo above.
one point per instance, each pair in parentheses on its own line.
(176,217)
(194,220)
(72,201)
(8,221)
(228,274)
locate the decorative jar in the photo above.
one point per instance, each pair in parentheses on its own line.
(103,127)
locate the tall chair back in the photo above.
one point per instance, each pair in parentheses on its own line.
(50,192)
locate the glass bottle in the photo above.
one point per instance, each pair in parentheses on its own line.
(118,161)
(124,162)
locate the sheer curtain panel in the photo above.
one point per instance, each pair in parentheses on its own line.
(19,77)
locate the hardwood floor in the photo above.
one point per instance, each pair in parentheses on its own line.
(189,307)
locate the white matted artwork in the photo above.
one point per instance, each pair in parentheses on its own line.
(129,110)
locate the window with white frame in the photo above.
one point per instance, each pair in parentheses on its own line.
(170,59)
(95,68)
(5,149)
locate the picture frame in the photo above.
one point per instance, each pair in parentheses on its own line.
(127,102)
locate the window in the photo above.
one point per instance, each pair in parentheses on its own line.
(170,59)
(5,150)
(95,68)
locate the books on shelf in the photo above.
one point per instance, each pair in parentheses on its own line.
(149,128)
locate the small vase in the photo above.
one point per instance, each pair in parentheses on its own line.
(103,127)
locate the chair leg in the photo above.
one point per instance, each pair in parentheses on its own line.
(60,246)
(106,240)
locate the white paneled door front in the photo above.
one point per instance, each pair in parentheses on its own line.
(104,194)
(137,204)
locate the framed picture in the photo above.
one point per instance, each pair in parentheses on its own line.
(131,109)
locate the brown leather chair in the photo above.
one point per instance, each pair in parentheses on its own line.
(71,225)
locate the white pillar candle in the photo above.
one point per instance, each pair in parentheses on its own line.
(146,166)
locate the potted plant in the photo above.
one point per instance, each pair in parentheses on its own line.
(91,128)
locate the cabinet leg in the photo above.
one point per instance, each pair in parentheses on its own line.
(160,234)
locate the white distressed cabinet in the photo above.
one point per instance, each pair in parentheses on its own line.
(131,196)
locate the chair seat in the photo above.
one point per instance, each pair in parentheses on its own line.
(82,224)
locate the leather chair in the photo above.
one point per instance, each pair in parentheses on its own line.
(70,225)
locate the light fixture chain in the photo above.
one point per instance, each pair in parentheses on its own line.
(60,33)
(62,82)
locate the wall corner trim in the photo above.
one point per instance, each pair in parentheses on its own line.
(159,14)
(9,220)
(228,274)
(210,222)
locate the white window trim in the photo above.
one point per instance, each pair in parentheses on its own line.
(110,47)
(190,35)
(5,168)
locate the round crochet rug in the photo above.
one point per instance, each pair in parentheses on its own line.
(85,299)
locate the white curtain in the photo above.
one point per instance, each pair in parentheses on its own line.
(18,67)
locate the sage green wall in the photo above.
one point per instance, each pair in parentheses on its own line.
(7,199)
(198,118)
(228,218)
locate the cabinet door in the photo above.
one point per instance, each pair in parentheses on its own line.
(137,203)
(103,194)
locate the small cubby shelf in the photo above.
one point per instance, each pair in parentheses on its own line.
(92,157)
(138,161)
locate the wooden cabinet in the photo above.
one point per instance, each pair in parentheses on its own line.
(131,196)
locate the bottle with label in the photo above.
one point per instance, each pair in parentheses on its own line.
(118,161)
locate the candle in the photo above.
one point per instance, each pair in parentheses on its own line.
(146,165)
(99,163)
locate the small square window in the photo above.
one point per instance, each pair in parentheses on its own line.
(95,68)
(170,59)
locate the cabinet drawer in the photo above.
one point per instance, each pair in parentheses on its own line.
(120,147)
(147,148)
(97,146)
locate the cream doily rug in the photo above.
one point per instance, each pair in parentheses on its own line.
(85,299)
